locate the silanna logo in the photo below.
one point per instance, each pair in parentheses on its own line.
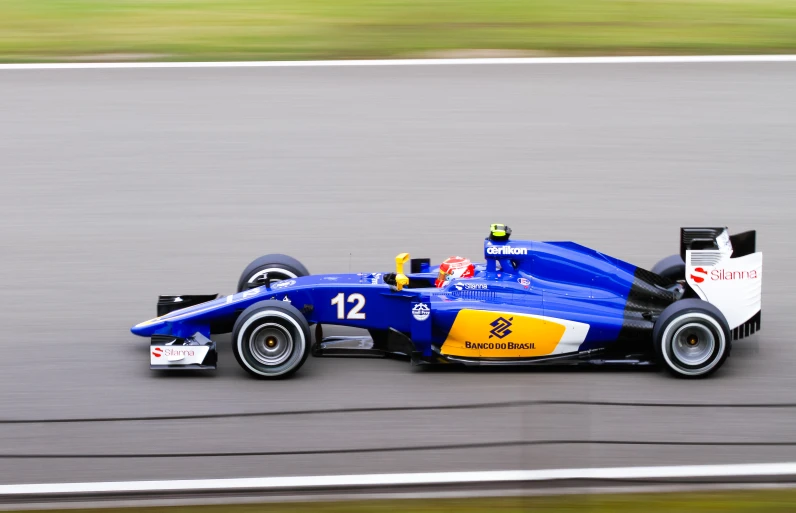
(699,275)
(699,279)
(500,327)
(158,352)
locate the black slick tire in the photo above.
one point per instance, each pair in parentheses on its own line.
(671,267)
(277,267)
(691,338)
(271,339)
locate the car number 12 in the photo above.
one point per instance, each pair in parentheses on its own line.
(356,312)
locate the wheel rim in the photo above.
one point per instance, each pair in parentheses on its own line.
(693,344)
(678,327)
(276,274)
(271,344)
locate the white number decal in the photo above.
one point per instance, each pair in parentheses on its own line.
(338,300)
(355,313)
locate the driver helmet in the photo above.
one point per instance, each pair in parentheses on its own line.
(454,267)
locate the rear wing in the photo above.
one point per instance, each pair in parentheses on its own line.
(726,271)
(742,244)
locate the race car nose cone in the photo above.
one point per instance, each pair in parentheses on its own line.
(146,328)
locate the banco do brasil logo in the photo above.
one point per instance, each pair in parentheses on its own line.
(500,327)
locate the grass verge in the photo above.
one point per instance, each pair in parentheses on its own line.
(757,501)
(55,30)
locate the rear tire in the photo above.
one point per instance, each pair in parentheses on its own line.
(271,339)
(692,338)
(671,267)
(277,267)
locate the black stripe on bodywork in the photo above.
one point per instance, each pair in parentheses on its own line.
(748,328)
(648,297)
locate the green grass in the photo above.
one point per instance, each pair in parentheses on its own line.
(45,30)
(774,501)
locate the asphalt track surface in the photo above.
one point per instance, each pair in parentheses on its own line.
(118,185)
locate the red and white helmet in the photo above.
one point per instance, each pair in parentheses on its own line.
(454,267)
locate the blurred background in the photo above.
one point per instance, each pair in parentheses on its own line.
(68,30)
(122,184)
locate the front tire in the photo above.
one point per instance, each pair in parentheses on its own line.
(276,267)
(271,339)
(692,338)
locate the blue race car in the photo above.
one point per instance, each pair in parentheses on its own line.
(529,303)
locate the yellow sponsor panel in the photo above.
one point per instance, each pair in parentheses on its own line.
(489,334)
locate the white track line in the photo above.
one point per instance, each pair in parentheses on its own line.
(755,470)
(411,62)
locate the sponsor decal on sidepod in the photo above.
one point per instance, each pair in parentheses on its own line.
(500,327)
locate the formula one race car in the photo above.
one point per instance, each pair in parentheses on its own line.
(529,303)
